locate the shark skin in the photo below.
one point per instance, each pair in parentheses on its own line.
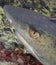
(24,19)
(31,18)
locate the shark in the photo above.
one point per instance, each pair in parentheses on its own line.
(36,32)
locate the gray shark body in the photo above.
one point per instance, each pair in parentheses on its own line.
(22,19)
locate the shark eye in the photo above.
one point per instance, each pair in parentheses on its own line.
(34,33)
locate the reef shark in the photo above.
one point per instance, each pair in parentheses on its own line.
(36,32)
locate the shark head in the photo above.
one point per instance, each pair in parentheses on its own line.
(36,32)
